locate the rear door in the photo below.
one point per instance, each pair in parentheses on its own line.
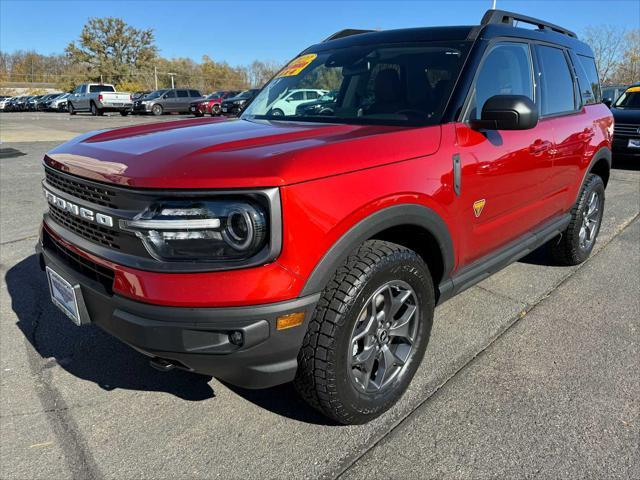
(561,106)
(503,192)
(183,100)
(169,101)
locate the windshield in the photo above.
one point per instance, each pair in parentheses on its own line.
(215,95)
(629,99)
(155,94)
(385,84)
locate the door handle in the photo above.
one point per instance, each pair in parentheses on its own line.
(539,146)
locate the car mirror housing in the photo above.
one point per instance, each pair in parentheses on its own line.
(608,102)
(507,112)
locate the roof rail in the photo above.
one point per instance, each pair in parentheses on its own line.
(347,32)
(509,18)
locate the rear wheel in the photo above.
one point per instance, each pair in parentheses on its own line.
(368,334)
(95,111)
(276,112)
(576,243)
(157,109)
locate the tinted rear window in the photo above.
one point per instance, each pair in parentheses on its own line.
(182,93)
(194,93)
(558,95)
(588,79)
(101,88)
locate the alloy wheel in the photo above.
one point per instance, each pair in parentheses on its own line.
(591,217)
(383,337)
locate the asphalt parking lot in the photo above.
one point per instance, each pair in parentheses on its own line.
(531,373)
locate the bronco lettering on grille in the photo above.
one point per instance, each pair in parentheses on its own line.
(78,211)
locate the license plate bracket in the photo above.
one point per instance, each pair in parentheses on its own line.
(67,297)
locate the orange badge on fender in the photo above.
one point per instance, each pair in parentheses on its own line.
(478,205)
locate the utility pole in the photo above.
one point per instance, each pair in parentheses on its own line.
(155,76)
(172,75)
(494,5)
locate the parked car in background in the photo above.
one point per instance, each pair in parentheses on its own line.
(137,95)
(32,102)
(98,98)
(626,127)
(322,106)
(610,93)
(292,99)
(4,101)
(211,103)
(235,105)
(59,103)
(11,105)
(41,104)
(168,100)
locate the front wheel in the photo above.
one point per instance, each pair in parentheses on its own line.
(157,110)
(72,111)
(576,243)
(368,334)
(124,113)
(215,110)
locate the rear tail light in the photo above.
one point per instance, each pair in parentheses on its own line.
(99,98)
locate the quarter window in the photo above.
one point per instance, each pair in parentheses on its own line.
(556,82)
(591,79)
(506,70)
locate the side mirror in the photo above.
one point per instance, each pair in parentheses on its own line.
(608,101)
(507,112)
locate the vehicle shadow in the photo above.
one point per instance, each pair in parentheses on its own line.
(91,354)
(88,352)
(626,163)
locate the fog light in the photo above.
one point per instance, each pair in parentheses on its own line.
(236,338)
(289,321)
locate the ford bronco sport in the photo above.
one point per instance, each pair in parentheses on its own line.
(313,249)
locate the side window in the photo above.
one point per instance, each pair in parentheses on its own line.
(83,89)
(556,82)
(182,93)
(194,93)
(312,95)
(171,94)
(506,70)
(296,96)
(589,67)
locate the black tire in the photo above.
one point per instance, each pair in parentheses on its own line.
(216,110)
(124,113)
(570,248)
(157,110)
(72,111)
(276,112)
(198,113)
(325,375)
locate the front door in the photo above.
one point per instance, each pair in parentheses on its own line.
(504,174)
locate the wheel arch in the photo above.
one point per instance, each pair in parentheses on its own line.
(601,165)
(413,226)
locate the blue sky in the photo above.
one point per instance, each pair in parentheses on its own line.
(242,31)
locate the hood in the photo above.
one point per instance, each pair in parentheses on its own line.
(626,115)
(213,153)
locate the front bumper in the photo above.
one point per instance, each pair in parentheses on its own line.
(197,339)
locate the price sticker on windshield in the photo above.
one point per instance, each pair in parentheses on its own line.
(297,65)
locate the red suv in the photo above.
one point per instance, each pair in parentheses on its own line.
(313,246)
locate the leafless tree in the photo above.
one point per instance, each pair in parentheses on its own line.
(607,42)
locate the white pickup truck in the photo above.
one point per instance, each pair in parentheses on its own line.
(98,98)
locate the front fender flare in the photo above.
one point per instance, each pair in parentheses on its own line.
(397,215)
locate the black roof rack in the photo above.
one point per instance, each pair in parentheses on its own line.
(509,18)
(347,32)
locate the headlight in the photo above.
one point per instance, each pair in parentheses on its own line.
(201,230)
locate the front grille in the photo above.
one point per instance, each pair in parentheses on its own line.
(78,263)
(626,130)
(90,193)
(91,231)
